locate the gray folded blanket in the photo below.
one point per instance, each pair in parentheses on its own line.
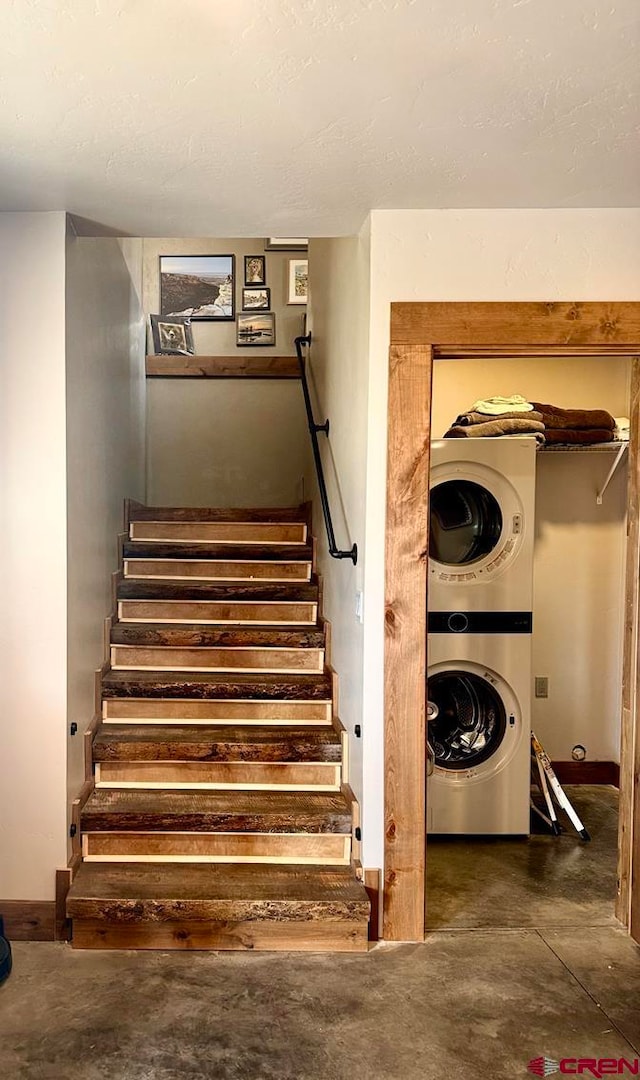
(494,428)
(467,418)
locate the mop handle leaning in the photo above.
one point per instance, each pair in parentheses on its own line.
(557,790)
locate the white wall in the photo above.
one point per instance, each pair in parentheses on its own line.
(465,255)
(105,448)
(338,360)
(579,552)
(33,691)
(71,448)
(226,442)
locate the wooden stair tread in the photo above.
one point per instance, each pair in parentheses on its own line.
(126,742)
(216,811)
(202,635)
(139,512)
(198,684)
(136,892)
(177,589)
(143,549)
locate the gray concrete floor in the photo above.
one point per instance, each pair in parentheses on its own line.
(466,1003)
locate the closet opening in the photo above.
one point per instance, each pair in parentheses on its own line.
(526,587)
(423,334)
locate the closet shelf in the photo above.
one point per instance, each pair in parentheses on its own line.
(569,447)
(617,447)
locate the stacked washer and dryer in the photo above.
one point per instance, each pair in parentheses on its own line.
(480,601)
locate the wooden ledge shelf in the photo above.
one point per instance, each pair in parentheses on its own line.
(222,367)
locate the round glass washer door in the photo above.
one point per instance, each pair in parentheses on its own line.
(478,727)
(475,523)
(465,522)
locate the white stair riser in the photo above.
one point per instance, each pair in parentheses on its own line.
(218,532)
(213,658)
(171,711)
(216,570)
(216,612)
(211,776)
(305,848)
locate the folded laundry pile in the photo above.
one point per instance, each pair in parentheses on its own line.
(575,427)
(622,428)
(515,417)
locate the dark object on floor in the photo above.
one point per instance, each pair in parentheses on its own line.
(5,955)
(555,417)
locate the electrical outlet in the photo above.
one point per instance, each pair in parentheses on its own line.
(542,686)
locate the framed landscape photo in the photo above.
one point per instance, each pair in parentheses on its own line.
(255,270)
(298,281)
(172,335)
(256,299)
(198,286)
(257,329)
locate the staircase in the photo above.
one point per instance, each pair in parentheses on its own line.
(217,813)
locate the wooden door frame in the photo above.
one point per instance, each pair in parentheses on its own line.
(421,332)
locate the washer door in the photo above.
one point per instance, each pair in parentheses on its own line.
(476,523)
(478,726)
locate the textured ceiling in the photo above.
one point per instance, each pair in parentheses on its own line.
(296,117)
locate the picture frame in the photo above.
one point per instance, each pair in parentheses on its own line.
(298,281)
(286,243)
(172,335)
(257,329)
(256,298)
(255,270)
(198,287)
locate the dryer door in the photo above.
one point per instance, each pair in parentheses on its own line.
(476,523)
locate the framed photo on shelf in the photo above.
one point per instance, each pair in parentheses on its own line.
(298,281)
(172,335)
(258,329)
(256,299)
(255,270)
(198,286)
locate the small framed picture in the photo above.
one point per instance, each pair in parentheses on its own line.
(298,279)
(256,299)
(172,335)
(258,329)
(197,286)
(255,271)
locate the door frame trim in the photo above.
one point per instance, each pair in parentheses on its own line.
(421,332)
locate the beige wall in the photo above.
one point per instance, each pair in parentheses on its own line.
(72,441)
(33,675)
(105,448)
(464,255)
(224,442)
(339,322)
(579,554)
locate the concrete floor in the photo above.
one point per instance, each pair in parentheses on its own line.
(465,1004)
(540,882)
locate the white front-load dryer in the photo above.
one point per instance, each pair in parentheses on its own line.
(479,741)
(481,533)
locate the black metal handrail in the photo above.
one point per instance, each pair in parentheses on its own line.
(314,428)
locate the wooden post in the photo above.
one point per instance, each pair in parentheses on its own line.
(405,641)
(628,907)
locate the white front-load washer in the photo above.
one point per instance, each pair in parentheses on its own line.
(481,532)
(480,684)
